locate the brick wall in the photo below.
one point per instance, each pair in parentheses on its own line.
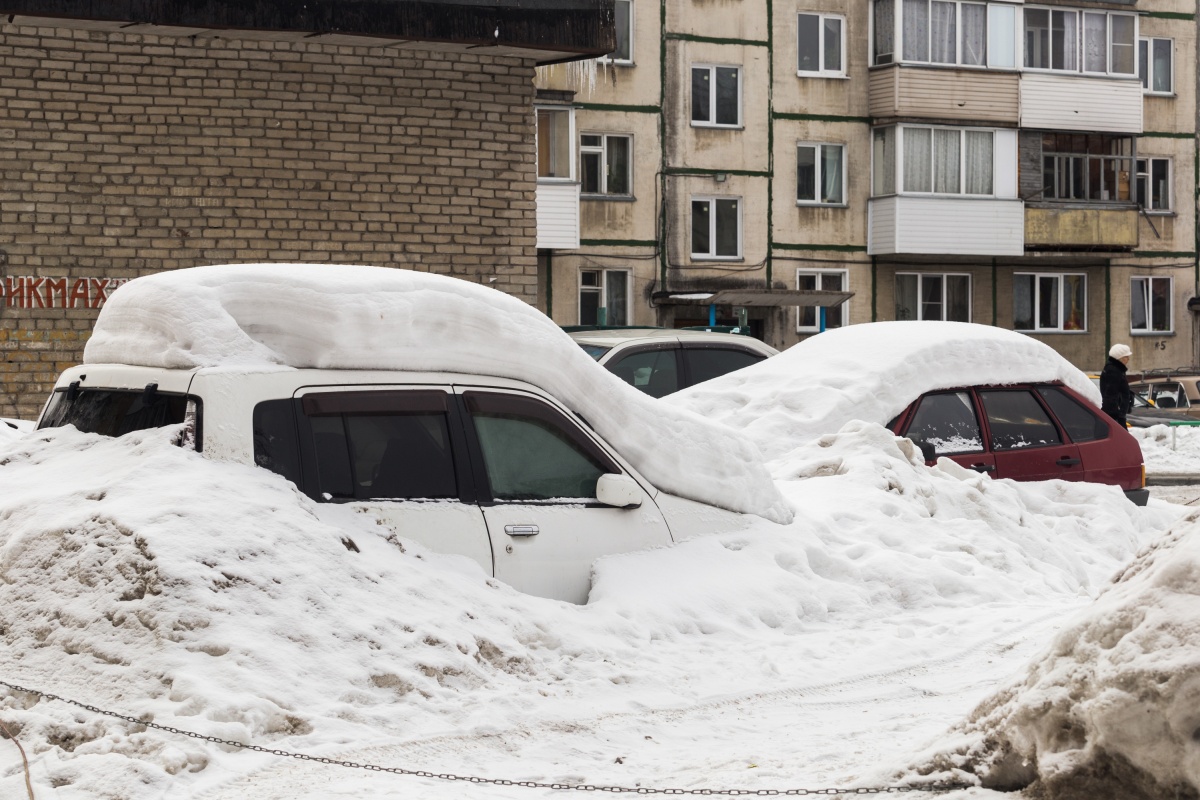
(123,155)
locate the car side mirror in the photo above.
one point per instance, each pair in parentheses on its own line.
(927,449)
(618,491)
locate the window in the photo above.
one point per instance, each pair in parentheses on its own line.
(603,297)
(821,174)
(1089,168)
(1071,40)
(940,32)
(1150,305)
(1155,65)
(705,363)
(884,30)
(381,445)
(808,319)
(623,54)
(1154,183)
(604,163)
(1017,420)
(655,372)
(716,227)
(948,422)
(938,160)
(717,96)
(532,452)
(820,45)
(1081,423)
(1050,303)
(883,162)
(554,137)
(921,296)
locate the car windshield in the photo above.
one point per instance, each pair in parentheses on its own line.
(595,350)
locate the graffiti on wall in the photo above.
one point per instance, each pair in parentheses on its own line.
(29,291)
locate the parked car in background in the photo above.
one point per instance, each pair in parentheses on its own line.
(660,361)
(327,375)
(1146,414)
(1177,388)
(990,399)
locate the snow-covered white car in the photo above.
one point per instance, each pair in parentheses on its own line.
(454,414)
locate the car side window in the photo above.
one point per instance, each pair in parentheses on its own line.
(532,452)
(1169,395)
(653,371)
(1017,420)
(275,444)
(713,362)
(1082,424)
(382,445)
(947,421)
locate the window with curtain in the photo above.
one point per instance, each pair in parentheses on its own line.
(928,296)
(1051,303)
(915,30)
(1154,183)
(808,318)
(716,96)
(1150,305)
(947,160)
(820,44)
(604,164)
(820,174)
(716,227)
(1156,65)
(1070,40)
(943,32)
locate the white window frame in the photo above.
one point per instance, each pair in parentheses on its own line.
(602,151)
(602,291)
(958,48)
(1148,78)
(820,177)
(568,155)
(1062,315)
(1138,178)
(1149,281)
(1081,27)
(821,71)
(921,276)
(901,133)
(712,96)
(622,62)
(712,227)
(819,274)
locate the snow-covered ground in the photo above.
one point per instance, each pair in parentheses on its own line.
(909,625)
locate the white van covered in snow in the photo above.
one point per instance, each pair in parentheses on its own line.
(454,414)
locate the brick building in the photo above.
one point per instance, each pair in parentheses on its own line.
(379,132)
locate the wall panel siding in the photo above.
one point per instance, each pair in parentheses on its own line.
(938,93)
(1078,103)
(947,226)
(558,216)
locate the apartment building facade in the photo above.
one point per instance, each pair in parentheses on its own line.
(1025,165)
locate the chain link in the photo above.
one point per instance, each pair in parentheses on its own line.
(449,776)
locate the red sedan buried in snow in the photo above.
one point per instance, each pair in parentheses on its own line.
(1027,432)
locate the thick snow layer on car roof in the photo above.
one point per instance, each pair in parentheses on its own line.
(869,372)
(325,316)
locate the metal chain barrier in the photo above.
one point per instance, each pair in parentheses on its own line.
(448,776)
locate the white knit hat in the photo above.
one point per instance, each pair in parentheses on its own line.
(1120,351)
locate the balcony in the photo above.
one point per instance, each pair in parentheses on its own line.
(902,225)
(1077,228)
(1067,102)
(968,95)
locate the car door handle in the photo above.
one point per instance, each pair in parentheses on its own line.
(1067,461)
(521,530)
(984,467)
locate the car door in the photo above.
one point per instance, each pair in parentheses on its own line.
(1105,460)
(1024,439)
(537,470)
(652,368)
(950,423)
(397,455)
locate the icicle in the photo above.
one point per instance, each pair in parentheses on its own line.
(577,76)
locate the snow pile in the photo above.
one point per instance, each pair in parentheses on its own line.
(268,619)
(13,429)
(869,372)
(1169,451)
(1112,709)
(324,316)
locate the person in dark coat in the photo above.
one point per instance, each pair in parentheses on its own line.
(1115,395)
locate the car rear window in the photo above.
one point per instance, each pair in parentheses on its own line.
(114,412)
(713,362)
(1081,423)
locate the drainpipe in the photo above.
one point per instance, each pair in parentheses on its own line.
(550,284)
(874,290)
(712,315)
(995,316)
